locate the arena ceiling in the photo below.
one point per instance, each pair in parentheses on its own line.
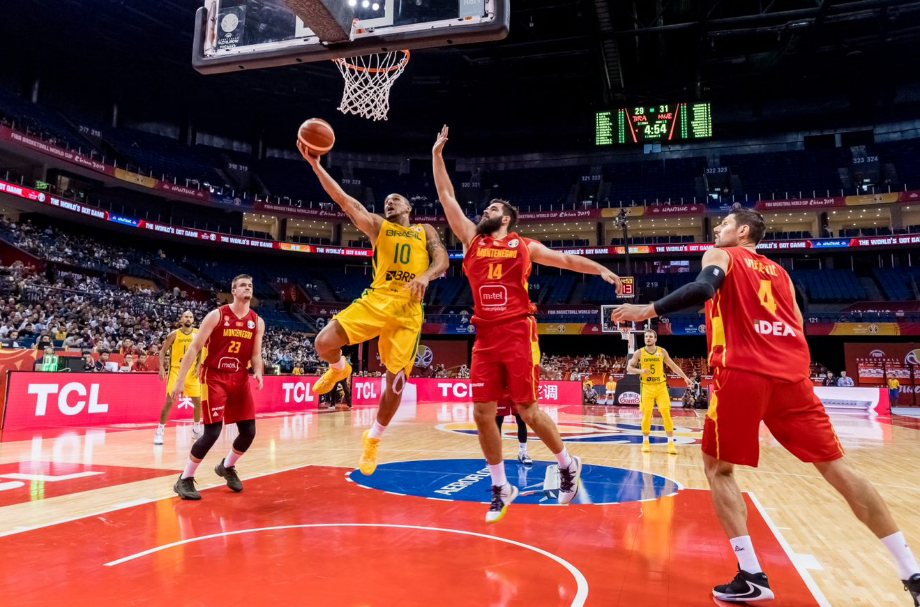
(562,60)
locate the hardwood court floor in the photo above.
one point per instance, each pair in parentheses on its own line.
(88,517)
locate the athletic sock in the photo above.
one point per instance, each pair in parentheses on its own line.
(903,557)
(190,467)
(497,471)
(339,364)
(744,552)
(522,448)
(376,430)
(161,428)
(670,439)
(231,458)
(563,458)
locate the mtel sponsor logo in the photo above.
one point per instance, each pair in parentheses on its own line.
(493,295)
(65,403)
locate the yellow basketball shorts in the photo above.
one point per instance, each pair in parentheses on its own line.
(395,319)
(192,387)
(652,394)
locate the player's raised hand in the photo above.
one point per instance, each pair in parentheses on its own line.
(417,287)
(441,141)
(308,156)
(632,312)
(612,279)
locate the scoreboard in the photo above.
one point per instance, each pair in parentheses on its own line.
(654,123)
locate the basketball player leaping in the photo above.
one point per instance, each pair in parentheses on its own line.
(649,362)
(760,359)
(177,344)
(232,335)
(406,258)
(506,354)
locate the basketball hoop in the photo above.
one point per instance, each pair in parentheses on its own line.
(368,79)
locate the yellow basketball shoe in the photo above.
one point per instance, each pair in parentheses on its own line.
(368,462)
(672,448)
(330,378)
(646,447)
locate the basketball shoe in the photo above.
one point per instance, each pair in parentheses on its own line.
(745,588)
(185,487)
(368,462)
(330,378)
(501,499)
(646,447)
(568,480)
(913,587)
(232,478)
(524,458)
(158,437)
(672,448)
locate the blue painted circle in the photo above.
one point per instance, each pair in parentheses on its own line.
(468,480)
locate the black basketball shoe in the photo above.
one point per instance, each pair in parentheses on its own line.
(913,587)
(185,487)
(233,479)
(745,588)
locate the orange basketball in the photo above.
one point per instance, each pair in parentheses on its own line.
(317,135)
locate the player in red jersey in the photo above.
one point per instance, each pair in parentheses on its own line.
(233,336)
(506,353)
(760,359)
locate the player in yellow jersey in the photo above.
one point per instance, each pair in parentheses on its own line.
(406,258)
(649,362)
(174,348)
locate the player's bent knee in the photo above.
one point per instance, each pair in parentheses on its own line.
(247,433)
(206,440)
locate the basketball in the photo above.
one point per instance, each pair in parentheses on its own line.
(317,135)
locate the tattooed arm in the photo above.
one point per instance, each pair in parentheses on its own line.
(363,219)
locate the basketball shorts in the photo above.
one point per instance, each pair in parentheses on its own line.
(192,387)
(791,411)
(506,362)
(652,394)
(395,319)
(225,397)
(505,408)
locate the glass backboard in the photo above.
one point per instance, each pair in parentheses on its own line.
(233,35)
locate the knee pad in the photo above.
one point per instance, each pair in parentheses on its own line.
(247,433)
(207,439)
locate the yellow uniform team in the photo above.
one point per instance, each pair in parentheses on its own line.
(649,363)
(387,308)
(177,344)
(176,352)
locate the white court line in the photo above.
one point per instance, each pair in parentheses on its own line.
(793,557)
(581,593)
(122,505)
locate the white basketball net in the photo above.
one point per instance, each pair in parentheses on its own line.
(368,80)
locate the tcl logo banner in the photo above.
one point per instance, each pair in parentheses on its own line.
(36,400)
(430,390)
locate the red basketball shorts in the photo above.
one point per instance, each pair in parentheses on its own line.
(791,410)
(225,397)
(506,362)
(505,407)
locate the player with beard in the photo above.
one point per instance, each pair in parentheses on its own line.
(506,353)
(406,258)
(760,363)
(232,335)
(176,344)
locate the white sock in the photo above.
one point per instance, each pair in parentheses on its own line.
(160,428)
(744,552)
(522,447)
(644,439)
(563,458)
(339,364)
(376,430)
(670,439)
(190,467)
(498,474)
(231,458)
(903,557)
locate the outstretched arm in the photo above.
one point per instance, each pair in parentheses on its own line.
(363,219)
(461,225)
(543,255)
(438,261)
(696,293)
